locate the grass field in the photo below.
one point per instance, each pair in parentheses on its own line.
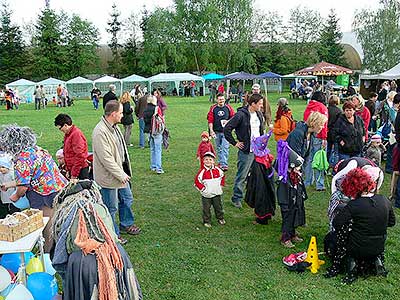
(175,256)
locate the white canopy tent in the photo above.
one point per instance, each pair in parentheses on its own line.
(50,86)
(391,74)
(128,83)
(175,79)
(23,88)
(103,84)
(79,87)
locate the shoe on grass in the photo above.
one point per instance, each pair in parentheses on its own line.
(287,244)
(122,241)
(237,204)
(297,239)
(221,222)
(208,225)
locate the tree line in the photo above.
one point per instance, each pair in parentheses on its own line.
(192,35)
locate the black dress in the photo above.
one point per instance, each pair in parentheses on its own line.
(260,193)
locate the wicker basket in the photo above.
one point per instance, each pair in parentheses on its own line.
(20,224)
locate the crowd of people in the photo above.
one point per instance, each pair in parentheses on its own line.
(353,242)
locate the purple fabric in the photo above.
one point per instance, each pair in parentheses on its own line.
(259,145)
(283,160)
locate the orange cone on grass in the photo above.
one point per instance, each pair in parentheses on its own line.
(312,256)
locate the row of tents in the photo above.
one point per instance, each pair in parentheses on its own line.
(80,87)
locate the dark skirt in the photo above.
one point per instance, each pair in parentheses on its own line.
(260,193)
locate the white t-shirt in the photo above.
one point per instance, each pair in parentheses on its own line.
(254,125)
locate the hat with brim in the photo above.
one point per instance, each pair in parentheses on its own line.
(209,154)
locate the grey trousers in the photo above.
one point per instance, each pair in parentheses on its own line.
(216,202)
(127,134)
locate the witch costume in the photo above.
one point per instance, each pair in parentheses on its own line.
(291,192)
(92,265)
(260,193)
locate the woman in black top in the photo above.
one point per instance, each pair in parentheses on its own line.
(127,119)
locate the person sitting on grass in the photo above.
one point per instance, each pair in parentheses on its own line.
(370,214)
(209,181)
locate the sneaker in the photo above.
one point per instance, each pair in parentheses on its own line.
(122,241)
(153,169)
(287,244)
(237,204)
(160,172)
(208,225)
(221,222)
(321,189)
(130,145)
(297,239)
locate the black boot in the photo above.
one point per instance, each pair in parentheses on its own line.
(351,271)
(380,268)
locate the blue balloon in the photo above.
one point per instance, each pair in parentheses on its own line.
(42,286)
(22,203)
(12,261)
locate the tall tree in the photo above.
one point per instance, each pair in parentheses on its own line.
(82,37)
(302,34)
(330,48)
(114,28)
(47,47)
(130,53)
(378,31)
(12,48)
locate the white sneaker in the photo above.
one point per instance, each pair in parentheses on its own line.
(208,225)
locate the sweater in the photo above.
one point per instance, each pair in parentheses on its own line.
(321,108)
(209,181)
(217,114)
(75,151)
(282,127)
(351,134)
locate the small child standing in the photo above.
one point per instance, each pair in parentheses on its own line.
(209,181)
(204,147)
(374,151)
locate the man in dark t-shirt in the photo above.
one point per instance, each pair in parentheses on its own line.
(217,117)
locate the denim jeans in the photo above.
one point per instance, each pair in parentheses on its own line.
(95,103)
(125,201)
(314,174)
(141,132)
(243,167)
(37,103)
(222,149)
(110,199)
(156,152)
(121,199)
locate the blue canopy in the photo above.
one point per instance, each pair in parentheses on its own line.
(269,75)
(212,76)
(241,76)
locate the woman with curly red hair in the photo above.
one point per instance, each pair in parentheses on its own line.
(370,214)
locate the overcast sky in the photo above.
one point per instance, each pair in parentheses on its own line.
(97,11)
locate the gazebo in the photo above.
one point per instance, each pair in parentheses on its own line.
(103,84)
(173,80)
(128,83)
(273,81)
(50,86)
(239,76)
(324,69)
(25,89)
(79,87)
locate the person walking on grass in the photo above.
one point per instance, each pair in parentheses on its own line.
(112,169)
(209,181)
(217,117)
(248,123)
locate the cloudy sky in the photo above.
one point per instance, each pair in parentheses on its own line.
(97,11)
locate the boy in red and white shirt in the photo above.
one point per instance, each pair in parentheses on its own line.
(209,181)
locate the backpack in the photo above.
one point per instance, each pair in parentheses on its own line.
(292,123)
(157,123)
(320,161)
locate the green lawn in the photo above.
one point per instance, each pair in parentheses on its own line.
(175,256)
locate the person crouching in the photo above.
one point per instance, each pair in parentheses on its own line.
(209,181)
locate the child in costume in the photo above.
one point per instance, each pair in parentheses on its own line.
(209,181)
(260,193)
(204,147)
(375,149)
(291,193)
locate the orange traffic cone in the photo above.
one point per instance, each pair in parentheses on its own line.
(312,256)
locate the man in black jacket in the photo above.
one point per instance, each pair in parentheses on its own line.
(110,95)
(248,122)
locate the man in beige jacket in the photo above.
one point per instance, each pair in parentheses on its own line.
(112,168)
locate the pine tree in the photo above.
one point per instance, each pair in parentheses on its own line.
(12,48)
(330,48)
(114,66)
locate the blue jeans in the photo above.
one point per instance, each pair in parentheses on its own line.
(95,102)
(121,199)
(314,174)
(141,132)
(156,152)
(243,167)
(125,201)
(222,149)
